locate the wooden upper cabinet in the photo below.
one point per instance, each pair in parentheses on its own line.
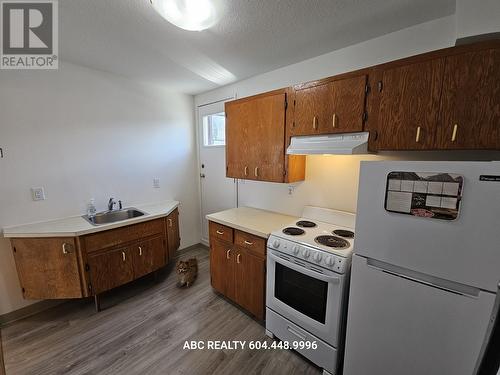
(255,137)
(470,104)
(330,107)
(408,104)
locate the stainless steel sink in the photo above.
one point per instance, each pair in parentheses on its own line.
(107,217)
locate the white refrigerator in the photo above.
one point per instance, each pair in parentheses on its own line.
(426,269)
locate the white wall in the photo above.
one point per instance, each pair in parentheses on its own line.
(477,17)
(82,133)
(331,181)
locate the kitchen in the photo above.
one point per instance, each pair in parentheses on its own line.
(77,148)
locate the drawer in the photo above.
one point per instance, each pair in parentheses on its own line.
(248,241)
(324,355)
(220,232)
(123,235)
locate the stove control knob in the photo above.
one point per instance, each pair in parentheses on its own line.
(296,249)
(317,257)
(329,261)
(306,253)
(276,244)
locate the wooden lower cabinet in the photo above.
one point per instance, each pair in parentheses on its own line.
(249,281)
(238,272)
(222,268)
(48,268)
(76,267)
(110,269)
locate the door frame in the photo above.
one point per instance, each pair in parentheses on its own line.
(199,141)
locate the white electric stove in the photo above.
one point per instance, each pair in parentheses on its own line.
(308,267)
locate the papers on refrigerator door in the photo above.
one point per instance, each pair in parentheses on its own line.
(424,194)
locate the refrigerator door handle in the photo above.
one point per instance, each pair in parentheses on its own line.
(488,360)
(431,281)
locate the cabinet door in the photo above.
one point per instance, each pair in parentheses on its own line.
(348,104)
(332,107)
(311,110)
(250,275)
(111,268)
(222,268)
(173,235)
(470,104)
(408,105)
(255,138)
(149,255)
(47,267)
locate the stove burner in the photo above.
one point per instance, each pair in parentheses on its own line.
(344,233)
(292,231)
(306,224)
(332,241)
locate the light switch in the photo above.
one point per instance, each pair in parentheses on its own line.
(38,194)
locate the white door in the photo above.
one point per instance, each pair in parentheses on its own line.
(218,192)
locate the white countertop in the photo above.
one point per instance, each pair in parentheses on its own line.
(78,226)
(252,220)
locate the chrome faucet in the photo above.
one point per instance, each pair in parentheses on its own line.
(111,204)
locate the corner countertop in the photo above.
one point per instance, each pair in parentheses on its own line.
(252,220)
(77,226)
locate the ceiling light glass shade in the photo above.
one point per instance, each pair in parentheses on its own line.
(193,15)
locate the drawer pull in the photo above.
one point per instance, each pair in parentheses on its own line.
(315,123)
(334,120)
(124,257)
(238,259)
(248,243)
(256,171)
(228,254)
(220,232)
(294,332)
(454,135)
(417,137)
(246,171)
(140,251)
(65,248)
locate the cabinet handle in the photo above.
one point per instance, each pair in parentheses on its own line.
(417,137)
(65,248)
(228,254)
(334,120)
(315,122)
(220,232)
(170,223)
(454,135)
(124,257)
(140,251)
(248,243)
(246,171)
(238,259)
(256,171)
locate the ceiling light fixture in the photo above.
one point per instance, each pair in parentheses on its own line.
(193,15)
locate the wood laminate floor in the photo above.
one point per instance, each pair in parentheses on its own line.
(142,331)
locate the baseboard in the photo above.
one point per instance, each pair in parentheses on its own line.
(29,310)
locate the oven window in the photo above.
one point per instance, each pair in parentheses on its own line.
(302,293)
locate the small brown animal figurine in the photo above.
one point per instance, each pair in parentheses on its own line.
(187,272)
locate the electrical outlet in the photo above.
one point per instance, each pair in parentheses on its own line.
(156,182)
(38,194)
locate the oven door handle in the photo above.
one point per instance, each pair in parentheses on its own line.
(303,270)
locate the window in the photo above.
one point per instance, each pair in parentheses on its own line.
(214,130)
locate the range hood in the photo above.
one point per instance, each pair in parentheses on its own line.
(336,144)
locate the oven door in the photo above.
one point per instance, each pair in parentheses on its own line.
(309,296)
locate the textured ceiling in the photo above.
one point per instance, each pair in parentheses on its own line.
(129,38)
